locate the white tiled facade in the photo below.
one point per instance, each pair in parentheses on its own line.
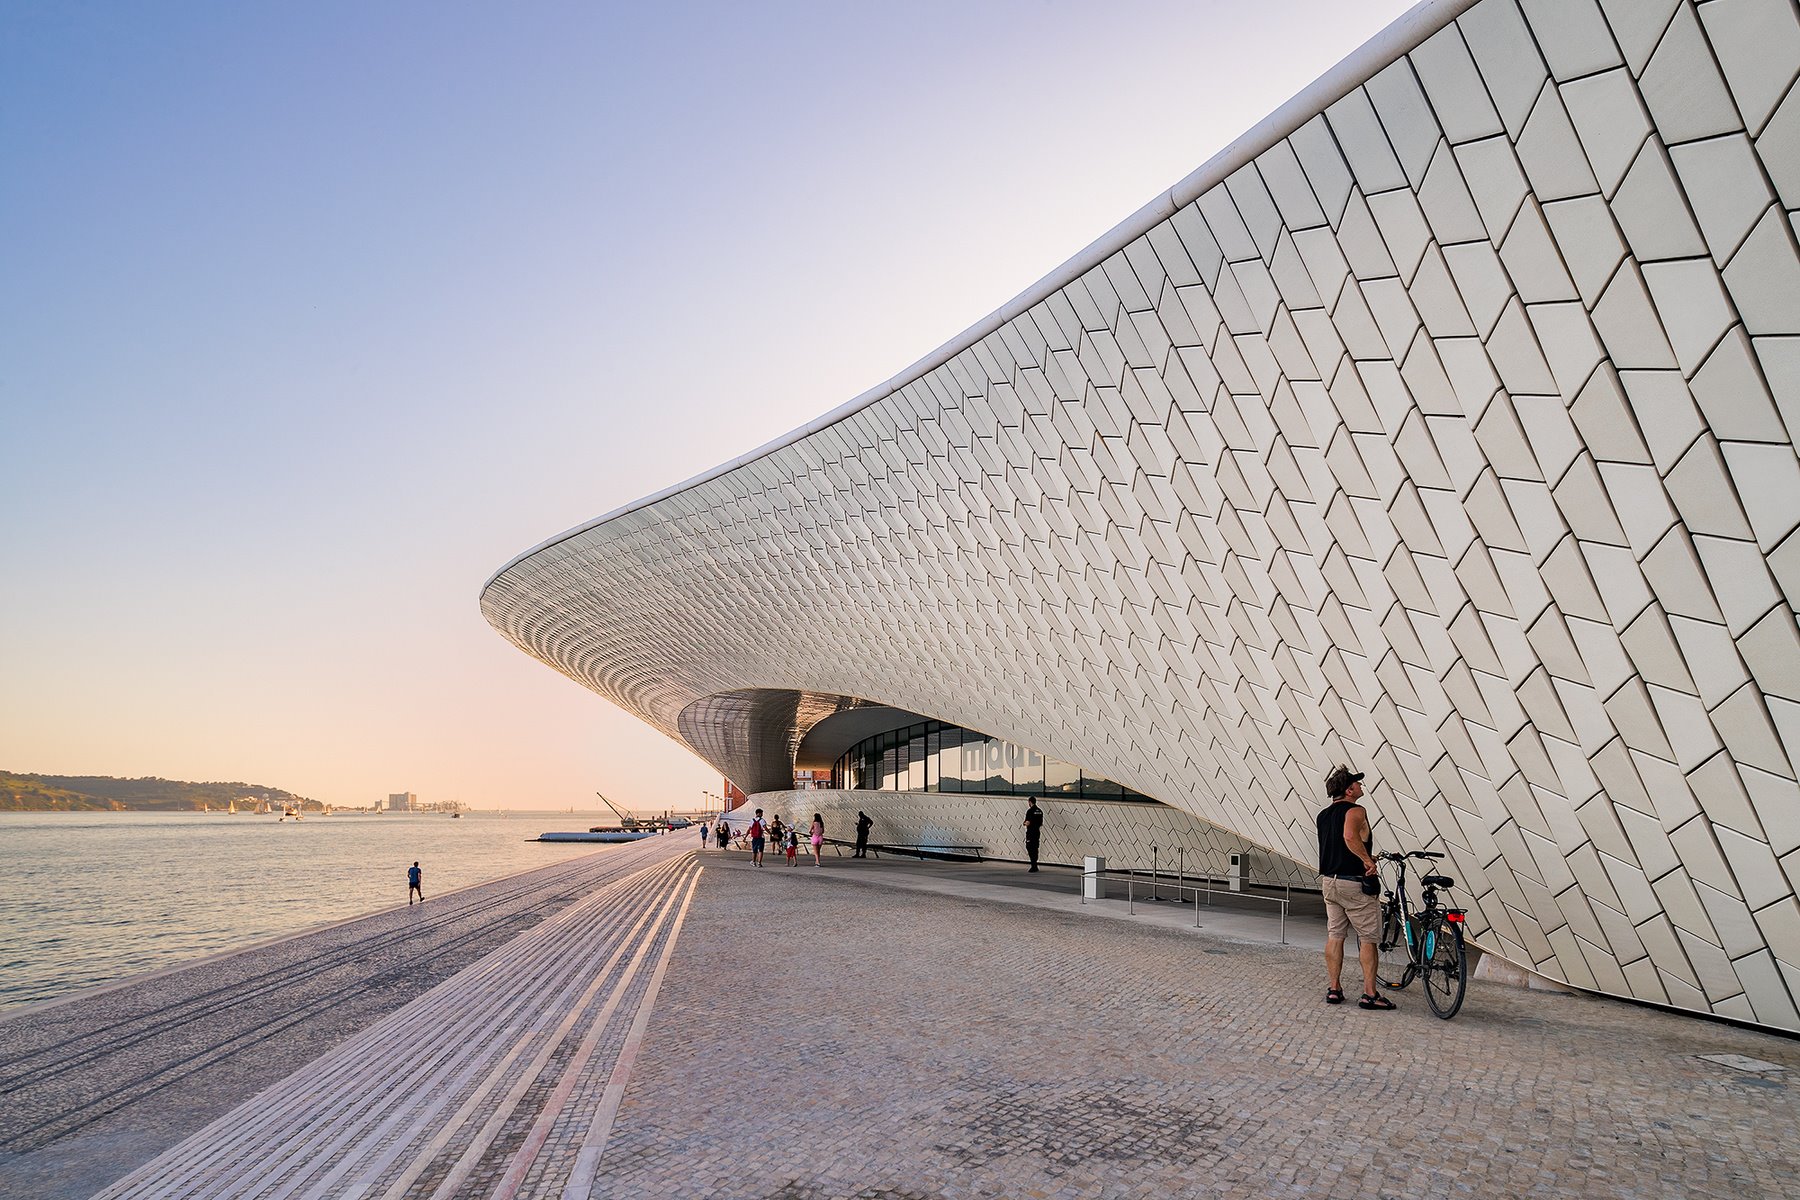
(1445,427)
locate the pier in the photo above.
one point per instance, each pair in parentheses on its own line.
(656,1021)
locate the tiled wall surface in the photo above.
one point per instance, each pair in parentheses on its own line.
(1450,435)
(1130,836)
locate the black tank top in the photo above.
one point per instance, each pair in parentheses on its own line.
(1335,858)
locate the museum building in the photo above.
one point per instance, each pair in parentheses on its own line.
(1442,425)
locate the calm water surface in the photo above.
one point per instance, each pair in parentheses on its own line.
(89,898)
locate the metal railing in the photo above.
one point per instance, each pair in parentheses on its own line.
(1203,889)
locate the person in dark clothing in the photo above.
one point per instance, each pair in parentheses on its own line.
(415,880)
(1034,827)
(864,823)
(1346,865)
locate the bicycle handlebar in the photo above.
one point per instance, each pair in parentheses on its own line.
(1401,857)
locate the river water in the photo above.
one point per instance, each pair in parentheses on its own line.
(89,898)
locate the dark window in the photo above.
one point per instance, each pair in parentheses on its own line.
(933,756)
(950,760)
(1095,787)
(891,768)
(1026,769)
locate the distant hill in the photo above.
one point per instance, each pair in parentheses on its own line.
(103,793)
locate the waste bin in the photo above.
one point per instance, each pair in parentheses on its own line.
(1239,873)
(1093,878)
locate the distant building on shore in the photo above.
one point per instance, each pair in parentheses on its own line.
(402,802)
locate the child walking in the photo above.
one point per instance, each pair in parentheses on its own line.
(793,845)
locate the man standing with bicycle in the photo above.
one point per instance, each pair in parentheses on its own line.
(1351,888)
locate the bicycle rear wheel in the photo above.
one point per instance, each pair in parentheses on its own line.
(1394,966)
(1447,968)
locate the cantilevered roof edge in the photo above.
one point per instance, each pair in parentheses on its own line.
(1405,34)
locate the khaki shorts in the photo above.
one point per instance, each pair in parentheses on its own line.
(1346,908)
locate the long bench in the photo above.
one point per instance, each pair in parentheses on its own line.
(948,851)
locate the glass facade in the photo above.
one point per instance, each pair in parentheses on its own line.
(935,757)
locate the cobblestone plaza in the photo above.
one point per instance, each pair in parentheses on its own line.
(872,1030)
(1028,1052)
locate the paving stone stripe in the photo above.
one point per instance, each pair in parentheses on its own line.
(573,1072)
(417,1105)
(129,1066)
(410,1030)
(478,1074)
(593,1144)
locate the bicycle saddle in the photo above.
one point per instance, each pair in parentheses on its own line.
(1442,881)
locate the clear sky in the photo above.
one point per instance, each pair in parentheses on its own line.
(313,315)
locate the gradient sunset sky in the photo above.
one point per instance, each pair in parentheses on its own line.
(313,315)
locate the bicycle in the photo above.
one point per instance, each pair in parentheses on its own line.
(1423,942)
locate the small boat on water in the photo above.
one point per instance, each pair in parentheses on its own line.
(629,829)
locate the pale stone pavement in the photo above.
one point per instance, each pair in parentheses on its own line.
(820,1034)
(815,1040)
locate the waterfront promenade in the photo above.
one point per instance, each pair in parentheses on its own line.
(687,1025)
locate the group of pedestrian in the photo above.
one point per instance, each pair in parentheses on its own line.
(715,835)
(784,837)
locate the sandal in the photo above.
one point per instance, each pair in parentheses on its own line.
(1376,1001)
(1334,995)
